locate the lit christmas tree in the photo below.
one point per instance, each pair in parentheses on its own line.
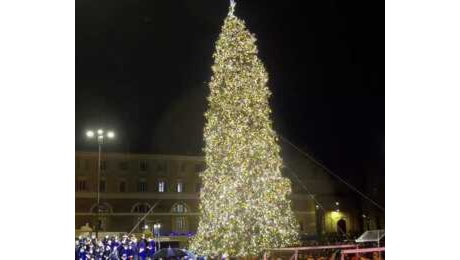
(244,200)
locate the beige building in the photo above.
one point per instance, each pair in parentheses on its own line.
(132,183)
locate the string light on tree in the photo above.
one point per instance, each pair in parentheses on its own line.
(244,201)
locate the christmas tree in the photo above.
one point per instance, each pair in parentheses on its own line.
(244,201)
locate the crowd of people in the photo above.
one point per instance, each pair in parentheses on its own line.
(114,248)
(130,248)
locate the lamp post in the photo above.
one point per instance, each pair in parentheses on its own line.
(90,134)
(156,230)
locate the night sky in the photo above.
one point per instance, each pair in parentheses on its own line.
(142,68)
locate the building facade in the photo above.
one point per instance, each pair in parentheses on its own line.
(131,184)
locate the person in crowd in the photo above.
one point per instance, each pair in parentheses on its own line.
(105,240)
(150,248)
(134,248)
(124,252)
(82,253)
(99,252)
(130,250)
(107,251)
(142,249)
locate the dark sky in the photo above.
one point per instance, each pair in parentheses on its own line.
(142,68)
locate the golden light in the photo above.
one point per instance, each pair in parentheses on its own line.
(90,134)
(244,196)
(111,134)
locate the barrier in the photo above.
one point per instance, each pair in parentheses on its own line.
(296,250)
(361,250)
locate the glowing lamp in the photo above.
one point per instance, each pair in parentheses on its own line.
(90,134)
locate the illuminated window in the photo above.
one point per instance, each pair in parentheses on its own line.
(180,187)
(161,186)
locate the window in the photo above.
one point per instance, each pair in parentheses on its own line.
(199,167)
(141,208)
(198,187)
(180,224)
(80,185)
(161,186)
(124,165)
(141,186)
(143,166)
(180,187)
(102,186)
(122,186)
(179,208)
(103,165)
(103,208)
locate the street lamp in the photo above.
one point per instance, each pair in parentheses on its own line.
(90,134)
(156,230)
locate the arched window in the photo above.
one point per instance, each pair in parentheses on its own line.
(180,222)
(140,208)
(103,208)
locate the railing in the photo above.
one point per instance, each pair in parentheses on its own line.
(139,195)
(158,195)
(296,250)
(361,250)
(139,214)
